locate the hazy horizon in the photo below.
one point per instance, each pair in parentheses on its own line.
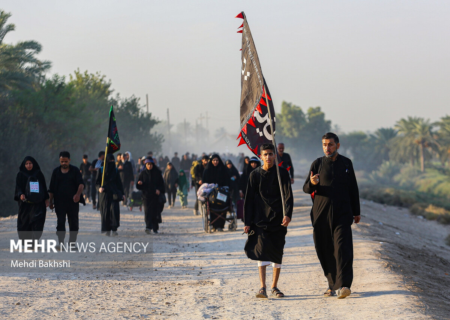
(367,64)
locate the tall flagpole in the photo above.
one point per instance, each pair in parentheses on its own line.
(104,161)
(276,151)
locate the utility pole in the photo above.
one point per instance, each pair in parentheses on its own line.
(207,128)
(168,130)
(147,102)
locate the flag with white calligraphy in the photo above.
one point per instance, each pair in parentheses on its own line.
(255,96)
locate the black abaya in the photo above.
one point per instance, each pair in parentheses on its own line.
(31,216)
(336,202)
(263,213)
(109,199)
(151,181)
(219,175)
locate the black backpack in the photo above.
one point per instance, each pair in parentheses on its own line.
(34,191)
(219,198)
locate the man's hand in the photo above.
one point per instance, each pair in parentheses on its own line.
(47,202)
(76,198)
(200,182)
(314,178)
(22,197)
(292,180)
(241,194)
(246,229)
(51,206)
(357,219)
(100,190)
(157,192)
(120,167)
(286,221)
(140,182)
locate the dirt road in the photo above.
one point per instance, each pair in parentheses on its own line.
(193,275)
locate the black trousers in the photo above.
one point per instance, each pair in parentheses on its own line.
(31,220)
(171,195)
(70,210)
(87,188)
(196,198)
(334,248)
(93,192)
(152,212)
(127,190)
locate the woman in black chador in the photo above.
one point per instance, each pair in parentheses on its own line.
(32,196)
(111,193)
(216,172)
(234,180)
(151,183)
(171,183)
(253,163)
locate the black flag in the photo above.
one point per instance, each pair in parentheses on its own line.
(255,96)
(113,143)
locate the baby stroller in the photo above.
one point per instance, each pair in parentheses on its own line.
(135,200)
(218,205)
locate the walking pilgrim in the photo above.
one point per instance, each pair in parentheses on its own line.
(263,216)
(111,193)
(332,183)
(32,197)
(151,183)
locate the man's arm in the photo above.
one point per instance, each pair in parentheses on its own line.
(354,195)
(308,186)
(80,182)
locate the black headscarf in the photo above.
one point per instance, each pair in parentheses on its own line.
(22,178)
(170,176)
(216,174)
(35,169)
(233,171)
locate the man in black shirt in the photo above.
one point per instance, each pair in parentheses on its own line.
(285,160)
(176,162)
(86,175)
(94,169)
(66,187)
(333,187)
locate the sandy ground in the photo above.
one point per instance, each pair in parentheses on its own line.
(193,275)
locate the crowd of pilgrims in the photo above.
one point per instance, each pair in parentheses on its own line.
(157,181)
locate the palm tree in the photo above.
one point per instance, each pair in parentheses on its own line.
(444,139)
(383,138)
(19,67)
(416,138)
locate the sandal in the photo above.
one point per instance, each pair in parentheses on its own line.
(277,293)
(329,293)
(262,293)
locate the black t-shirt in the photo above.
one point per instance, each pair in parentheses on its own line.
(84,168)
(65,185)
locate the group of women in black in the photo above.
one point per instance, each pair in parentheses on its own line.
(32,195)
(226,175)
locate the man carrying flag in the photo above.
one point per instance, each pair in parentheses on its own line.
(109,182)
(268,201)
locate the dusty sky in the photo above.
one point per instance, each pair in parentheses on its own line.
(366,63)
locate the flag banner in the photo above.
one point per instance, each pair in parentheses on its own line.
(113,144)
(255,96)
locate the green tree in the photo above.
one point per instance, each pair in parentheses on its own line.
(381,140)
(416,140)
(290,121)
(444,139)
(19,66)
(135,126)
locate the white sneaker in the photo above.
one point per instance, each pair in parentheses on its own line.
(343,293)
